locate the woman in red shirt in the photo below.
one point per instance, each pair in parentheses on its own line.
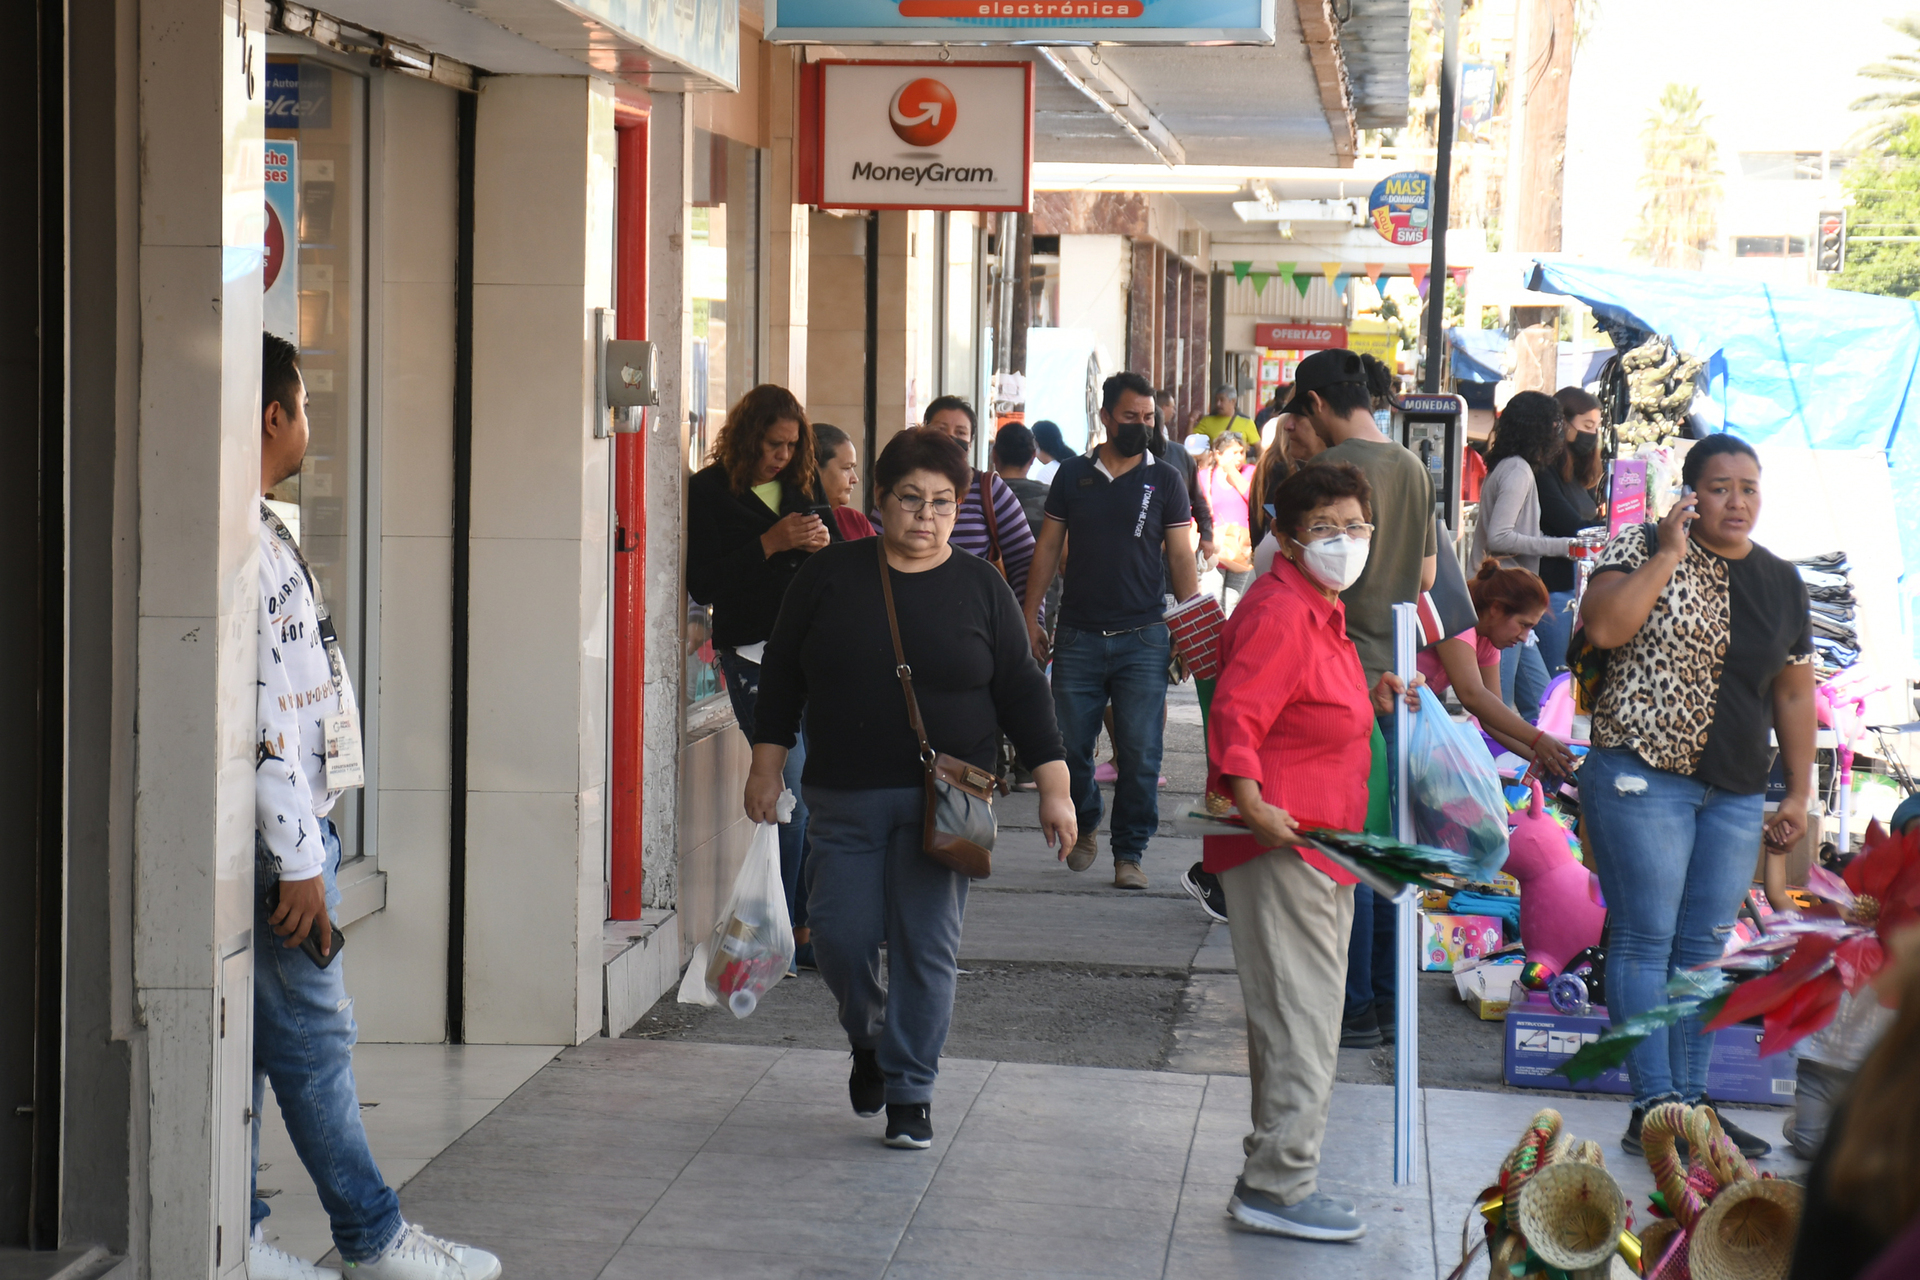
(1290,734)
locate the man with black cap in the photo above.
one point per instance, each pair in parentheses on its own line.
(1334,391)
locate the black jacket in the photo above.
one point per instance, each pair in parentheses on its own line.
(727,569)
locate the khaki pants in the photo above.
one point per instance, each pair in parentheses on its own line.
(1289,925)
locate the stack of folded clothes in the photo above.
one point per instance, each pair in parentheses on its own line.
(1836,640)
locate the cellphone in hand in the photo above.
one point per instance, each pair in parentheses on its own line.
(311,943)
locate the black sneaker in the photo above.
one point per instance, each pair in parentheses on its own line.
(909,1125)
(1751,1145)
(1385,1016)
(1631,1144)
(867,1086)
(1204,888)
(1361,1031)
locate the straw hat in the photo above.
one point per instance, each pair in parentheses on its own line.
(1747,1232)
(1572,1214)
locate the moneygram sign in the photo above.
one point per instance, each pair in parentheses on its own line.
(917,135)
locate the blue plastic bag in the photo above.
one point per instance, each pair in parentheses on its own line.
(1457,801)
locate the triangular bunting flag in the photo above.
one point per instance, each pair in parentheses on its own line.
(1460,275)
(1329,270)
(1240,270)
(1303,283)
(1340,285)
(1373,272)
(1285,271)
(1423,286)
(1259,282)
(1418,270)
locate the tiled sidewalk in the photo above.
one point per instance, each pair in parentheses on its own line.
(627,1159)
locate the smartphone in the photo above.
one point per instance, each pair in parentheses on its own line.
(311,943)
(821,512)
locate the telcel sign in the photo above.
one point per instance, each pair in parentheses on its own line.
(917,135)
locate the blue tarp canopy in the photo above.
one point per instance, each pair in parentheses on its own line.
(1479,355)
(1820,369)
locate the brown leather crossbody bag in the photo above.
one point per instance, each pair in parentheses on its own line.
(994,556)
(959,827)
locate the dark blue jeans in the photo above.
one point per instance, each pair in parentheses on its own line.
(871,882)
(1555,631)
(303,1037)
(1523,679)
(1370,946)
(743,689)
(1128,670)
(1676,857)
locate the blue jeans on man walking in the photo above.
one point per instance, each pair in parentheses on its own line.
(1128,670)
(303,1038)
(1675,860)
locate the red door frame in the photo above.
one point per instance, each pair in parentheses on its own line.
(630,532)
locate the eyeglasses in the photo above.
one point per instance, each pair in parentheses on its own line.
(1358,531)
(912,503)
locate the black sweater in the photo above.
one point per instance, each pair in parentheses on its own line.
(965,638)
(727,568)
(1565,509)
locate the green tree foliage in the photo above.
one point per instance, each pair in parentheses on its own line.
(1901,74)
(1680,217)
(1884,184)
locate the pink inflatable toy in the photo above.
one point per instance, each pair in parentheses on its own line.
(1559,913)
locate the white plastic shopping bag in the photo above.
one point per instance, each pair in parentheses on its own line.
(752,946)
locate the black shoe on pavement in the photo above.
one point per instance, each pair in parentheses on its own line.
(1361,1031)
(1751,1145)
(909,1125)
(867,1086)
(1631,1144)
(1385,1016)
(1204,888)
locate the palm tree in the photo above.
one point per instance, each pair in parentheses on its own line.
(1902,71)
(1679,219)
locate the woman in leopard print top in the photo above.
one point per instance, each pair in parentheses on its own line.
(1710,647)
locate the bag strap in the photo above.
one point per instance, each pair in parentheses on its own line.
(901,668)
(992,516)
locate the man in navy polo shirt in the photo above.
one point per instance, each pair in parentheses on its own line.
(1128,518)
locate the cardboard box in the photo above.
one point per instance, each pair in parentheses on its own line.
(1538,1040)
(1487,988)
(1445,940)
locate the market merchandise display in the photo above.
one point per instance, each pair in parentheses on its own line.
(1555,1211)
(1560,908)
(1660,390)
(1718,1218)
(1836,635)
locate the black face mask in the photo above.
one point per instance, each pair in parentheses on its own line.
(1584,444)
(1130,438)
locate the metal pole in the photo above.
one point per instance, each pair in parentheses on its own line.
(1442,189)
(1406,1042)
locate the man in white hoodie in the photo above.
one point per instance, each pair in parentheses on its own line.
(307,751)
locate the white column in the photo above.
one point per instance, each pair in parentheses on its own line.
(537,733)
(202,89)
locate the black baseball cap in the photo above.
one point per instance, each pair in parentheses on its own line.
(1324,369)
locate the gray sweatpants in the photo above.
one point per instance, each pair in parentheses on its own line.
(871,883)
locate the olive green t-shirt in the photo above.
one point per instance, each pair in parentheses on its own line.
(1403,537)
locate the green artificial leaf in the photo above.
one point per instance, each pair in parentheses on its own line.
(1611,1049)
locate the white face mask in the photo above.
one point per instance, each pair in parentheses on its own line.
(1336,562)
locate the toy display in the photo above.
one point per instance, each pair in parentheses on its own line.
(1445,940)
(1560,915)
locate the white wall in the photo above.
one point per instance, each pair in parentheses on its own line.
(537,744)
(1093,293)
(399,967)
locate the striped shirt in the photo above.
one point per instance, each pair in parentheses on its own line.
(1016,535)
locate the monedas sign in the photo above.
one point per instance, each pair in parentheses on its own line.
(917,135)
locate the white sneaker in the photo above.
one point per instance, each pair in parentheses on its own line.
(264,1262)
(419,1256)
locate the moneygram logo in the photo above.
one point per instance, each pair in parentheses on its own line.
(923,112)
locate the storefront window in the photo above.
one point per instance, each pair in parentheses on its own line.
(723,273)
(315,297)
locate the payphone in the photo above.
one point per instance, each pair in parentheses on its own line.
(1435,428)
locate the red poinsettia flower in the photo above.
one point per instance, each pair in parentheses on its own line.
(1840,948)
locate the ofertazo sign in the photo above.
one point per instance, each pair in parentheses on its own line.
(1299,337)
(917,135)
(895,22)
(1402,207)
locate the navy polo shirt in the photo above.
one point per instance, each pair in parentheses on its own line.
(1116,532)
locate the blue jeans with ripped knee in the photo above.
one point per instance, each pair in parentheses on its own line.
(1675,860)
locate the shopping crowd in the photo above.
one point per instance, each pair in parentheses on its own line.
(987,623)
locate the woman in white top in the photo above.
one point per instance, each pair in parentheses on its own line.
(1530,432)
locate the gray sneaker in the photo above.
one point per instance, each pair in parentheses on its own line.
(1084,850)
(1318,1217)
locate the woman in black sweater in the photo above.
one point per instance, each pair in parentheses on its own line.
(973,673)
(751,524)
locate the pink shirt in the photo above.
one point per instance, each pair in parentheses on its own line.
(1484,654)
(1229,506)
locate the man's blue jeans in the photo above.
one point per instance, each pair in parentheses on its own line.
(303,1037)
(1676,857)
(1128,670)
(743,690)
(1371,943)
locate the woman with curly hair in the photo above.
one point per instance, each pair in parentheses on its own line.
(1530,432)
(753,518)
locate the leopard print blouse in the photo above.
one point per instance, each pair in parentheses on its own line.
(1661,686)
